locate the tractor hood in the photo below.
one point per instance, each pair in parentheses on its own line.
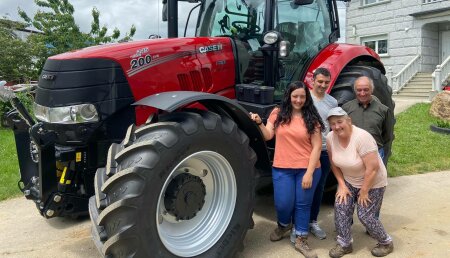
(152,66)
(119,51)
(127,72)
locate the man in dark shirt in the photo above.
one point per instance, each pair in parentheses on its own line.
(370,114)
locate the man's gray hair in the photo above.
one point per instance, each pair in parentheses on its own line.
(362,77)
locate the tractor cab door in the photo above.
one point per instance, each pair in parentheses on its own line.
(243,21)
(308,29)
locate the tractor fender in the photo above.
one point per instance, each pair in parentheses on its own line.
(335,57)
(170,101)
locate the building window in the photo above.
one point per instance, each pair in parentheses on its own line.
(431,1)
(367,2)
(377,43)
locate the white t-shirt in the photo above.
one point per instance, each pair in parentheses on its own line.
(323,106)
(349,159)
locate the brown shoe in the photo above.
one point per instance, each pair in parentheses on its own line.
(339,251)
(278,233)
(301,245)
(383,250)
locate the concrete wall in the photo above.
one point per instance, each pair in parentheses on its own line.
(407,35)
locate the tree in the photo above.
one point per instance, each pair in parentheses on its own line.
(16,62)
(60,33)
(97,35)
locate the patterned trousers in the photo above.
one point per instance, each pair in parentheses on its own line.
(343,216)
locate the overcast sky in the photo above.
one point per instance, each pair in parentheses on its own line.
(144,14)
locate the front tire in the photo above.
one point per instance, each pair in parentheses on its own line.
(182,187)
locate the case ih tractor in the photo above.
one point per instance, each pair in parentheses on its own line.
(159,129)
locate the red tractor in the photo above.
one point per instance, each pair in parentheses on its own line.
(159,129)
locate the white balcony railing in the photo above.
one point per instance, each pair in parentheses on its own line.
(441,74)
(403,77)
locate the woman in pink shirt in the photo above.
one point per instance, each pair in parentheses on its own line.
(362,180)
(296,168)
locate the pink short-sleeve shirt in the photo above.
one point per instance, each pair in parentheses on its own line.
(349,159)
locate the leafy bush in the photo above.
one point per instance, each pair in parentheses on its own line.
(27,99)
(16,61)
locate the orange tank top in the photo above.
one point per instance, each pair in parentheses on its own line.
(293,143)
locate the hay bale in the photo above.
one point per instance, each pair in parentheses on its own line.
(440,106)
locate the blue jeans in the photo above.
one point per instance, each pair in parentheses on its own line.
(380,151)
(292,202)
(325,167)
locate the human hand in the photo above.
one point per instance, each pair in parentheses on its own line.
(256,118)
(363,198)
(307,181)
(342,193)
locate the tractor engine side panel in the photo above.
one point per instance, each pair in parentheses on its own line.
(159,65)
(200,64)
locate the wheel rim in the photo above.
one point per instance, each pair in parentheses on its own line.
(187,238)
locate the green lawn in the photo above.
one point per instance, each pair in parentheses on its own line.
(416,149)
(9,167)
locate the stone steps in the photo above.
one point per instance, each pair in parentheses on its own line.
(418,87)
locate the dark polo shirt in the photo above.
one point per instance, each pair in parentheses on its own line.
(376,119)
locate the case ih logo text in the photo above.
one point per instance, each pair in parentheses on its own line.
(48,77)
(210,48)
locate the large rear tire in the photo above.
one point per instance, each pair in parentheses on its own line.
(343,90)
(181,187)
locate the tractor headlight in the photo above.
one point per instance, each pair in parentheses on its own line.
(83,113)
(271,37)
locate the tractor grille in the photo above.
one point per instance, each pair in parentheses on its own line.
(185,82)
(207,77)
(196,80)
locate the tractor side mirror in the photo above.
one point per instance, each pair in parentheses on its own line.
(154,36)
(164,10)
(302,2)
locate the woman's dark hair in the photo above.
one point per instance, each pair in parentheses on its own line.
(309,112)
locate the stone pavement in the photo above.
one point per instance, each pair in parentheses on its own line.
(401,104)
(415,213)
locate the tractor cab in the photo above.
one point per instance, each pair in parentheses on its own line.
(275,41)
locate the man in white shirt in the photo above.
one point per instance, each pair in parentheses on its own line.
(323,102)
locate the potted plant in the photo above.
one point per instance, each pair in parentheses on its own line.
(440,109)
(441,126)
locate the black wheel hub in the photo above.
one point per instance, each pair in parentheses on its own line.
(185,196)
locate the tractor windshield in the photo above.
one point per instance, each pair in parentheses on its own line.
(307,28)
(241,18)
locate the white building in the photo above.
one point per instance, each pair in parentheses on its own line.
(409,35)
